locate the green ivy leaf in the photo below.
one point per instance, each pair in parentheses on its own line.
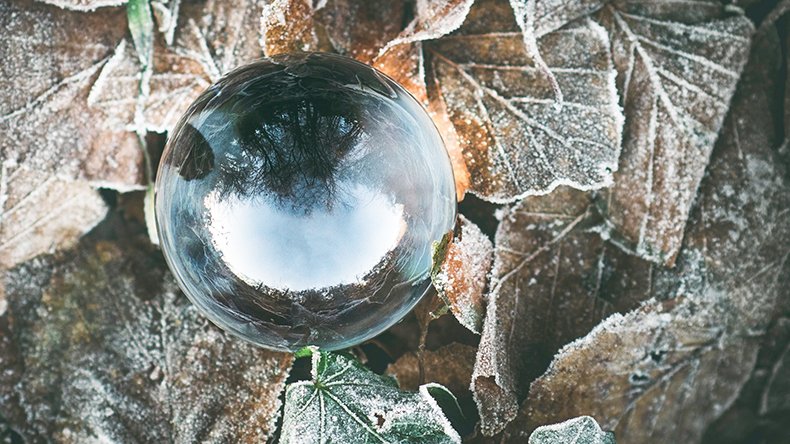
(581,430)
(345,402)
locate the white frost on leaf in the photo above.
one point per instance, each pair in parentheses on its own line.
(581,430)
(345,402)
(463,275)
(677,70)
(516,141)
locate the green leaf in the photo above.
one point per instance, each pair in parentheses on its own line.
(141,26)
(581,430)
(345,402)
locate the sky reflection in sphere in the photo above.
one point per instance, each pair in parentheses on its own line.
(298,199)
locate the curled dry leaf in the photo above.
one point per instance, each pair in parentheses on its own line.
(54,144)
(664,372)
(97,344)
(432,19)
(516,140)
(554,278)
(462,278)
(677,66)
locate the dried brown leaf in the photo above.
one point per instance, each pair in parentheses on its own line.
(211,38)
(677,65)
(433,19)
(98,344)
(554,278)
(287,26)
(54,143)
(449,365)
(463,275)
(360,29)
(43,214)
(664,372)
(516,140)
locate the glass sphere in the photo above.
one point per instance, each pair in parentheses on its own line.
(298,199)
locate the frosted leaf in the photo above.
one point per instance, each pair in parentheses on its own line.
(99,346)
(553,280)
(432,19)
(463,275)
(43,213)
(287,26)
(345,402)
(360,29)
(664,372)
(166,17)
(677,65)
(403,59)
(515,138)
(581,430)
(449,365)
(51,135)
(83,5)
(203,49)
(551,15)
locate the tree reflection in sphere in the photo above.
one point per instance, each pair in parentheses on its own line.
(298,200)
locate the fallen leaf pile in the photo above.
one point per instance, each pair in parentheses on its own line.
(623,175)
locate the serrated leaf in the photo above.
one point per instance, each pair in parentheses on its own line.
(515,139)
(98,344)
(51,135)
(345,402)
(664,372)
(553,280)
(677,67)
(581,430)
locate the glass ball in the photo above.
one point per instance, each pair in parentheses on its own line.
(298,199)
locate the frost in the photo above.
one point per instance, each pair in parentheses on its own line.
(516,140)
(43,214)
(581,430)
(83,5)
(449,365)
(287,26)
(677,68)
(463,275)
(665,371)
(433,19)
(99,346)
(553,279)
(55,144)
(345,402)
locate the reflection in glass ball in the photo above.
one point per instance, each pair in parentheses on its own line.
(298,199)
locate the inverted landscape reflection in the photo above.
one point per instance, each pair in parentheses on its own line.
(298,199)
